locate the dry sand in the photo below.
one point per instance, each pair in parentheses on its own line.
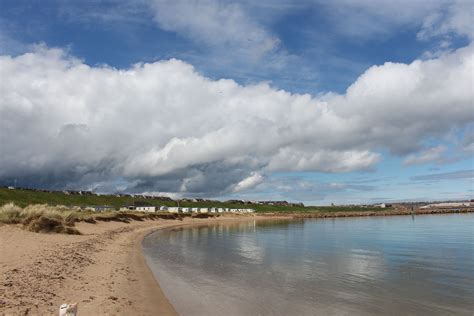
(103,270)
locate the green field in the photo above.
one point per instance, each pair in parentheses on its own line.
(28,197)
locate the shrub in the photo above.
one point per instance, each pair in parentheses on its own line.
(10,214)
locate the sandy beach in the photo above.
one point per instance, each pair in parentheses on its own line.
(103,270)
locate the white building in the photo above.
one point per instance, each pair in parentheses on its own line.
(146,208)
(163,208)
(185,210)
(203,210)
(173,209)
(195,210)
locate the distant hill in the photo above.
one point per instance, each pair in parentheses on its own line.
(24,197)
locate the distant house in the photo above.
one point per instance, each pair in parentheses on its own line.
(185,210)
(203,210)
(145,208)
(195,210)
(173,209)
(163,208)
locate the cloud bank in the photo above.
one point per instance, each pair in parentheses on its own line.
(163,127)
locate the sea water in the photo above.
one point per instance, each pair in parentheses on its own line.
(397,265)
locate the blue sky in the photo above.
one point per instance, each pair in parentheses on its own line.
(310,51)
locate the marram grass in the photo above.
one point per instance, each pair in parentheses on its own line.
(45,218)
(40,218)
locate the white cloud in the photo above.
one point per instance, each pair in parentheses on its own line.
(215,23)
(289,158)
(296,188)
(455,17)
(162,127)
(251,181)
(367,19)
(434,154)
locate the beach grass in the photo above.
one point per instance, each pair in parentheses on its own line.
(46,218)
(40,218)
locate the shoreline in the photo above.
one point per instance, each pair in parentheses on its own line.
(104,270)
(397,212)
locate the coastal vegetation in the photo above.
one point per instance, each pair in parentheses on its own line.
(24,198)
(45,218)
(40,218)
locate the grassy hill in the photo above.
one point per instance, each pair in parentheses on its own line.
(22,197)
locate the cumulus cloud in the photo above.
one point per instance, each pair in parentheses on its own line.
(163,127)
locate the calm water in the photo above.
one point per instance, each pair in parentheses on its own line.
(358,266)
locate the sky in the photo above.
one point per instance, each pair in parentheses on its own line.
(321,102)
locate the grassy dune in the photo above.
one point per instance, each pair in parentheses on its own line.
(45,218)
(40,218)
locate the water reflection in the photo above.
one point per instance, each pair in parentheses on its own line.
(307,267)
